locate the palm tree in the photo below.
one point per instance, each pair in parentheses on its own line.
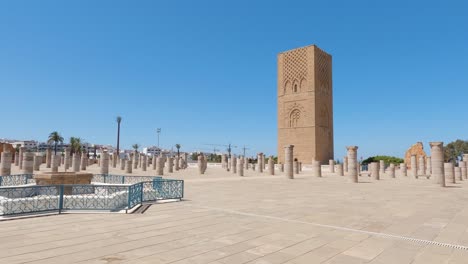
(75,145)
(118,119)
(55,137)
(135,147)
(178,149)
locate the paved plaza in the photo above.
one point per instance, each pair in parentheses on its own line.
(260,219)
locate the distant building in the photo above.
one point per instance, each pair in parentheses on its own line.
(152,151)
(28,144)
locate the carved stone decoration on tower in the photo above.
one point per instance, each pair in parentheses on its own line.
(305,104)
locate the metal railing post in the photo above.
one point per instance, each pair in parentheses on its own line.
(182,191)
(141,193)
(128,200)
(61,188)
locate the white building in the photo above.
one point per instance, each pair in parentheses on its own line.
(28,144)
(152,151)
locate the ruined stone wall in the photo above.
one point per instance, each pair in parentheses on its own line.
(416,149)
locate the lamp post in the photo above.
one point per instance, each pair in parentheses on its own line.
(158,130)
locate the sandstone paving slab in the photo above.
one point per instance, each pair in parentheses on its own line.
(259,219)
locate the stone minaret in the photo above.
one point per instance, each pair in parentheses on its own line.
(305,104)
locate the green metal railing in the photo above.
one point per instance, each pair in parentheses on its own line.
(121,179)
(109,196)
(16,180)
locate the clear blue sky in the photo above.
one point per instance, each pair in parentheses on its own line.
(205,71)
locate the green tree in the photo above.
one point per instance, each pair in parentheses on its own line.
(75,144)
(387,160)
(55,138)
(455,150)
(194,156)
(178,149)
(214,158)
(275,159)
(136,147)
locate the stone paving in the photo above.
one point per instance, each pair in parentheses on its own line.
(260,219)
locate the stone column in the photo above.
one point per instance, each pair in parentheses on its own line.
(136,158)
(159,166)
(300,166)
(391,170)
(223,161)
(458,174)
(76,162)
(21,157)
(227,162)
(246,163)
(37,161)
(288,161)
(345,163)
(122,164)
(260,162)
(381,167)
(185,158)
(67,159)
(462,165)
(281,166)
(105,162)
(414,167)
(48,158)
(115,157)
(331,164)
(84,161)
(144,162)
(339,169)
(375,170)
(352,162)
(28,162)
(55,162)
(296,167)
(201,164)
(205,163)
(316,169)
(422,166)
(234,164)
(17,158)
(154,162)
(176,163)
(70,157)
(428,165)
(240,166)
(403,169)
(170,164)
(129,166)
(271,166)
(449,172)
(5,163)
(437,162)
(465,158)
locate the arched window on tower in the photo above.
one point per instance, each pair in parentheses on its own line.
(295,88)
(294,118)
